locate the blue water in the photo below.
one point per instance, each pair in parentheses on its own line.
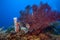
(10,8)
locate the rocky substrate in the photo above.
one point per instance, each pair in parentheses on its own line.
(22,36)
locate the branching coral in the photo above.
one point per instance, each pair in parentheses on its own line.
(40,18)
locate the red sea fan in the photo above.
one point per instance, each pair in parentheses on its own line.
(41,17)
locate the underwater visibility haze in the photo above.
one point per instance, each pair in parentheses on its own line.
(29,20)
(10,8)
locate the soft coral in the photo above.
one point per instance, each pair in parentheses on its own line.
(41,18)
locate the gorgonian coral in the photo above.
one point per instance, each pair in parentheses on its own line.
(40,17)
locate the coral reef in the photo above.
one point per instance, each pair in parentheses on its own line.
(22,36)
(39,25)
